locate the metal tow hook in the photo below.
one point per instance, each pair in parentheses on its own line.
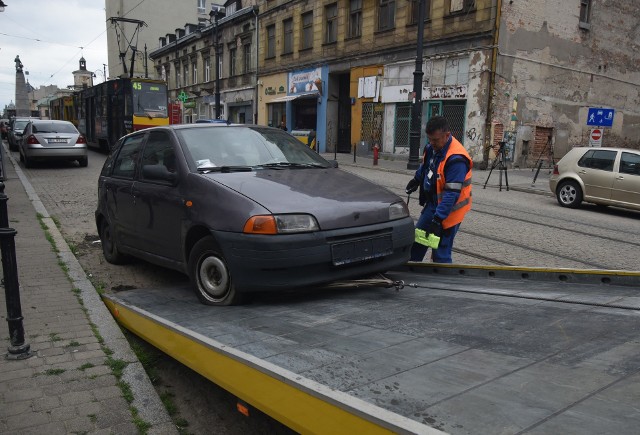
(399,285)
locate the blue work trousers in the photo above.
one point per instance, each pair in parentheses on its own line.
(443,253)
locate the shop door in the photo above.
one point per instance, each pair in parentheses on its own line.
(402,126)
(344,115)
(454,112)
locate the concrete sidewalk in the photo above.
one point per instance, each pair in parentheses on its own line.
(80,360)
(518,179)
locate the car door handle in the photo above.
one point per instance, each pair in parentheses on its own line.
(619,177)
(582,171)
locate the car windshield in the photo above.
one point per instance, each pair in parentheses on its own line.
(238,146)
(53,127)
(20,125)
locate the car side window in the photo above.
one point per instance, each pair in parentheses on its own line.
(159,151)
(124,165)
(598,159)
(630,164)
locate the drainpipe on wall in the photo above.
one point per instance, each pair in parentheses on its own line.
(492,86)
(257,94)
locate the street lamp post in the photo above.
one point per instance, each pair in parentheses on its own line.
(216,10)
(416,106)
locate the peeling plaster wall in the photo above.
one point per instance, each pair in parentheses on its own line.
(557,70)
(476,113)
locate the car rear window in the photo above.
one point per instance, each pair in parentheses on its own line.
(630,163)
(598,159)
(53,127)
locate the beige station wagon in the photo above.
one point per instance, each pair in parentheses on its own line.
(603,176)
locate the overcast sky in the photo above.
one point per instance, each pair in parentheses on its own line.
(48,34)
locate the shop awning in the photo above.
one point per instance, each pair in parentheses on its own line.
(295,97)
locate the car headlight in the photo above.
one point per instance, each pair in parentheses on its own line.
(281,224)
(398,210)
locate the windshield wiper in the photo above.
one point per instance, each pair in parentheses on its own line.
(292,165)
(224,169)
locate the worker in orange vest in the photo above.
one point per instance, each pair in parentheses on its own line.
(444,180)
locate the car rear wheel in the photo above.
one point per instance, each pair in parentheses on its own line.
(569,194)
(210,275)
(28,163)
(109,245)
(84,161)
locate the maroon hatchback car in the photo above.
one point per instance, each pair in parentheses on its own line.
(243,208)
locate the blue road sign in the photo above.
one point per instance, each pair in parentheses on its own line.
(599,117)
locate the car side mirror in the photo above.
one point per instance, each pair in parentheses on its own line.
(159,173)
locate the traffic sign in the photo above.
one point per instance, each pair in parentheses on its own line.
(595,138)
(599,117)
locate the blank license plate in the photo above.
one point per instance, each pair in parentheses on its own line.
(361,250)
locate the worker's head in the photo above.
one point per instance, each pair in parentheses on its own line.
(438,132)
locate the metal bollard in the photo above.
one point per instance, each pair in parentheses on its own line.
(4,216)
(18,349)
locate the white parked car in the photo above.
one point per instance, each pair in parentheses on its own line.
(604,176)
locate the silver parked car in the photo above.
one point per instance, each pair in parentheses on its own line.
(15,130)
(50,139)
(245,208)
(604,176)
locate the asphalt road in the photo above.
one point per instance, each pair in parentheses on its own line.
(508,227)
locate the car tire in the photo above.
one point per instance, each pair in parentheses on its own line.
(84,161)
(13,147)
(109,245)
(28,163)
(210,275)
(569,194)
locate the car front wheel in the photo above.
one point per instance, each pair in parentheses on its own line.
(210,276)
(569,194)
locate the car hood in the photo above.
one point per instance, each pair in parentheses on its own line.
(337,199)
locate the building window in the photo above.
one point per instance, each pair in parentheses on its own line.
(456,6)
(585,12)
(386,14)
(178,78)
(456,71)
(194,67)
(207,69)
(287,30)
(202,6)
(331,17)
(232,61)
(414,9)
(185,75)
(246,58)
(271,41)
(355,18)
(307,30)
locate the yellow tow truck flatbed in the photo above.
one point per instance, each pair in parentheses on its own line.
(429,349)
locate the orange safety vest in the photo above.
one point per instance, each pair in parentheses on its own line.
(463,205)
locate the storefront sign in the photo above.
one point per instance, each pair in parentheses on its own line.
(269,91)
(189,105)
(305,81)
(404,93)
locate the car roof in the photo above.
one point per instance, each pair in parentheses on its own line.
(606,148)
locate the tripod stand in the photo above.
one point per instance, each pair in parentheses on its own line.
(548,146)
(501,163)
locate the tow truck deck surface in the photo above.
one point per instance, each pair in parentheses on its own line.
(458,349)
